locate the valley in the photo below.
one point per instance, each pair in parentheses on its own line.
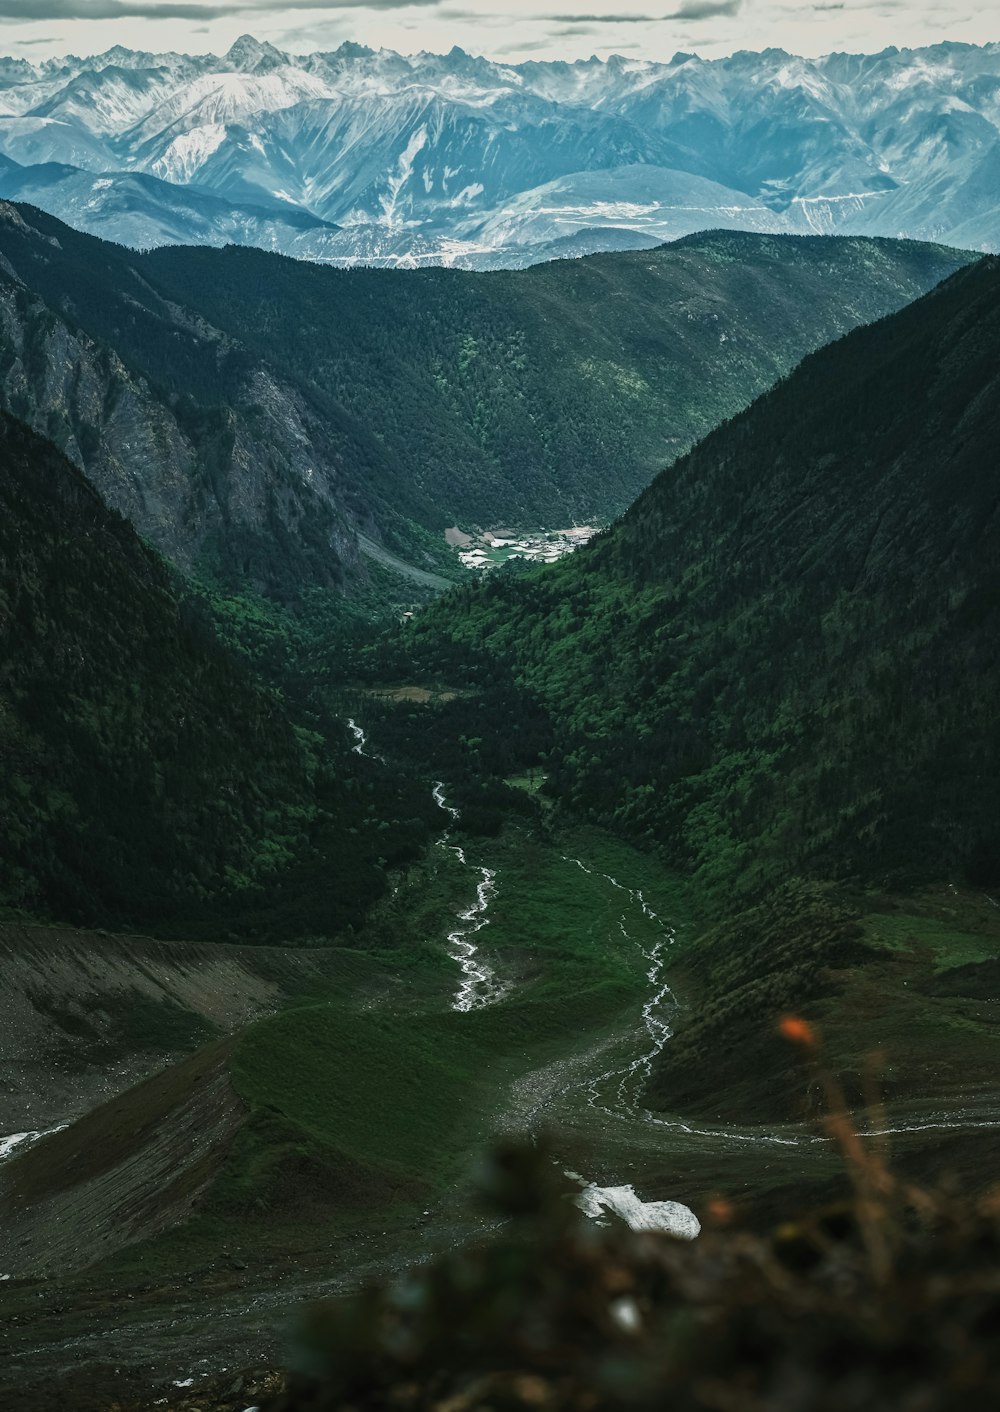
(591,943)
(516,938)
(285,433)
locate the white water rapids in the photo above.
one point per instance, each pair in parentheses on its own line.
(627,1083)
(479,986)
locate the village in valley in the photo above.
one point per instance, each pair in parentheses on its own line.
(490,548)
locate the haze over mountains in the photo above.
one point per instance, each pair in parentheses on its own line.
(459,160)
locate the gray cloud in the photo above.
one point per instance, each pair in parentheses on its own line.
(528,46)
(706,9)
(99,10)
(597,20)
(689,10)
(173,10)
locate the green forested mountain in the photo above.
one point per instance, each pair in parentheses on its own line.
(783,659)
(552,392)
(251,414)
(145,779)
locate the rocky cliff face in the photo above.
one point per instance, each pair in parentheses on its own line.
(213,486)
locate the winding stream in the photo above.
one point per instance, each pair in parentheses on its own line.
(628,1082)
(616,1092)
(479,986)
(360,739)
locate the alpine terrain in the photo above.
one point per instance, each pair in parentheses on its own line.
(358,156)
(499,845)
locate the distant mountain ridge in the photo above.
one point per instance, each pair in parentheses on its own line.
(456,159)
(144,211)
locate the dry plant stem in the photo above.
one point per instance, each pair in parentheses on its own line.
(873,1183)
(875,1105)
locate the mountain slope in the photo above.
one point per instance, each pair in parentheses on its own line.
(144,777)
(144,211)
(160,412)
(782,659)
(522,380)
(252,414)
(125,727)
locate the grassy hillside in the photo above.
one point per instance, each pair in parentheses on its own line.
(87,1013)
(367,1093)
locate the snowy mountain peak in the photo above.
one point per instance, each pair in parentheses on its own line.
(456,157)
(350,50)
(251,56)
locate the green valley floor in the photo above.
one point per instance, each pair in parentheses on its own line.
(327,1123)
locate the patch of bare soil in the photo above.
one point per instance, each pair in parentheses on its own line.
(126,1171)
(420,694)
(88,1014)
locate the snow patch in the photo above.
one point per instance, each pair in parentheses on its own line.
(188,152)
(468,194)
(404,170)
(13,1141)
(668,1216)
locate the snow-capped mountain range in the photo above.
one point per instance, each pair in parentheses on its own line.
(363,156)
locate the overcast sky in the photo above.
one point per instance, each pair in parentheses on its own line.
(518,29)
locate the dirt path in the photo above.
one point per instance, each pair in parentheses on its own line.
(382,556)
